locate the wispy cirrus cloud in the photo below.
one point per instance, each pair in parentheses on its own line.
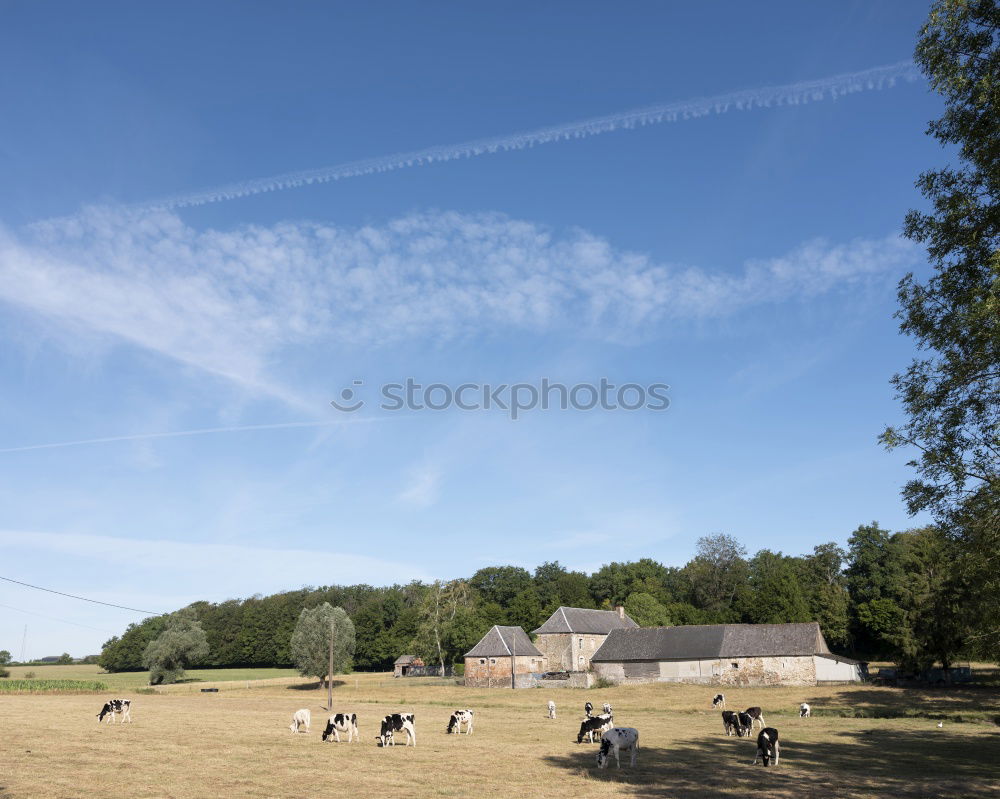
(231,302)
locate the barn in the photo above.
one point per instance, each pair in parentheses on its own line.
(724,654)
(571,636)
(504,658)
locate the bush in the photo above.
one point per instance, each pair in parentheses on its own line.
(458,670)
(4,672)
(29,675)
(603,682)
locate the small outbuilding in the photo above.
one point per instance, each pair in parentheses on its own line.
(724,654)
(504,658)
(404,665)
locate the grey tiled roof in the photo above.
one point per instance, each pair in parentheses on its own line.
(404,660)
(502,642)
(583,620)
(705,641)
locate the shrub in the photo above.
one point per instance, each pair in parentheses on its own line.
(4,672)
(603,682)
(29,675)
(458,670)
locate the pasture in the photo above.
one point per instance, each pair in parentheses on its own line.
(236,742)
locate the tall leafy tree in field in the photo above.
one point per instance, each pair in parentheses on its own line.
(182,644)
(826,592)
(310,642)
(717,574)
(951,394)
(438,614)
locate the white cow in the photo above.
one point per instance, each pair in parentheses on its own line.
(552,709)
(342,722)
(804,711)
(302,718)
(458,718)
(616,740)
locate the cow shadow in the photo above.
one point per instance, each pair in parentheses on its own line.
(845,764)
(932,703)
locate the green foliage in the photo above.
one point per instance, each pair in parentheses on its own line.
(717,575)
(32,686)
(645,611)
(310,641)
(951,393)
(5,657)
(181,644)
(4,672)
(776,595)
(65,659)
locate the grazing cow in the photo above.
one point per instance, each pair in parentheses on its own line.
(114,706)
(804,711)
(552,709)
(594,724)
(342,722)
(588,710)
(744,725)
(616,740)
(768,747)
(301,718)
(397,722)
(730,723)
(607,709)
(719,701)
(756,715)
(458,718)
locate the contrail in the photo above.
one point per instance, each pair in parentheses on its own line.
(790,94)
(198,432)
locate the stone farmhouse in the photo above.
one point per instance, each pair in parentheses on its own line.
(724,654)
(571,636)
(504,658)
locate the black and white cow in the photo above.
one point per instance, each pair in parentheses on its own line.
(342,722)
(617,740)
(744,725)
(804,711)
(719,700)
(113,707)
(397,722)
(301,718)
(730,723)
(552,709)
(458,718)
(607,709)
(594,724)
(768,747)
(588,710)
(756,714)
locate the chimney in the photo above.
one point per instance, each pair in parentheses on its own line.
(620,610)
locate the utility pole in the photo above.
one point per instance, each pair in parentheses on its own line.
(513,659)
(329,672)
(24,642)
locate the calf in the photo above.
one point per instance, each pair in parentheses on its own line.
(755,715)
(342,722)
(397,722)
(744,725)
(552,709)
(588,710)
(616,740)
(607,709)
(804,711)
(113,706)
(458,718)
(729,722)
(301,718)
(768,747)
(719,701)
(593,724)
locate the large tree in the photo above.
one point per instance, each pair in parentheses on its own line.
(951,393)
(310,642)
(182,644)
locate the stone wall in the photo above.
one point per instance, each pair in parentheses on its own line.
(495,672)
(569,651)
(731,671)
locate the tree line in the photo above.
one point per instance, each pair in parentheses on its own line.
(894,596)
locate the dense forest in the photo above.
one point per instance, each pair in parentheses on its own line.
(888,596)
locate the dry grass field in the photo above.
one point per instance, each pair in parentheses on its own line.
(236,743)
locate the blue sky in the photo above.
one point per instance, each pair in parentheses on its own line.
(746,258)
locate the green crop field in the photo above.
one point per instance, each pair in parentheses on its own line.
(864,741)
(133,680)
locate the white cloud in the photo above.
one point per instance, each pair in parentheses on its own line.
(421,491)
(230,302)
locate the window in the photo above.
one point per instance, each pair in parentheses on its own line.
(581,643)
(482,660)
(494,660)
(735,665)
(581,660)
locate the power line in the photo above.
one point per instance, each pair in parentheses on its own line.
(53,618)
(83,598)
